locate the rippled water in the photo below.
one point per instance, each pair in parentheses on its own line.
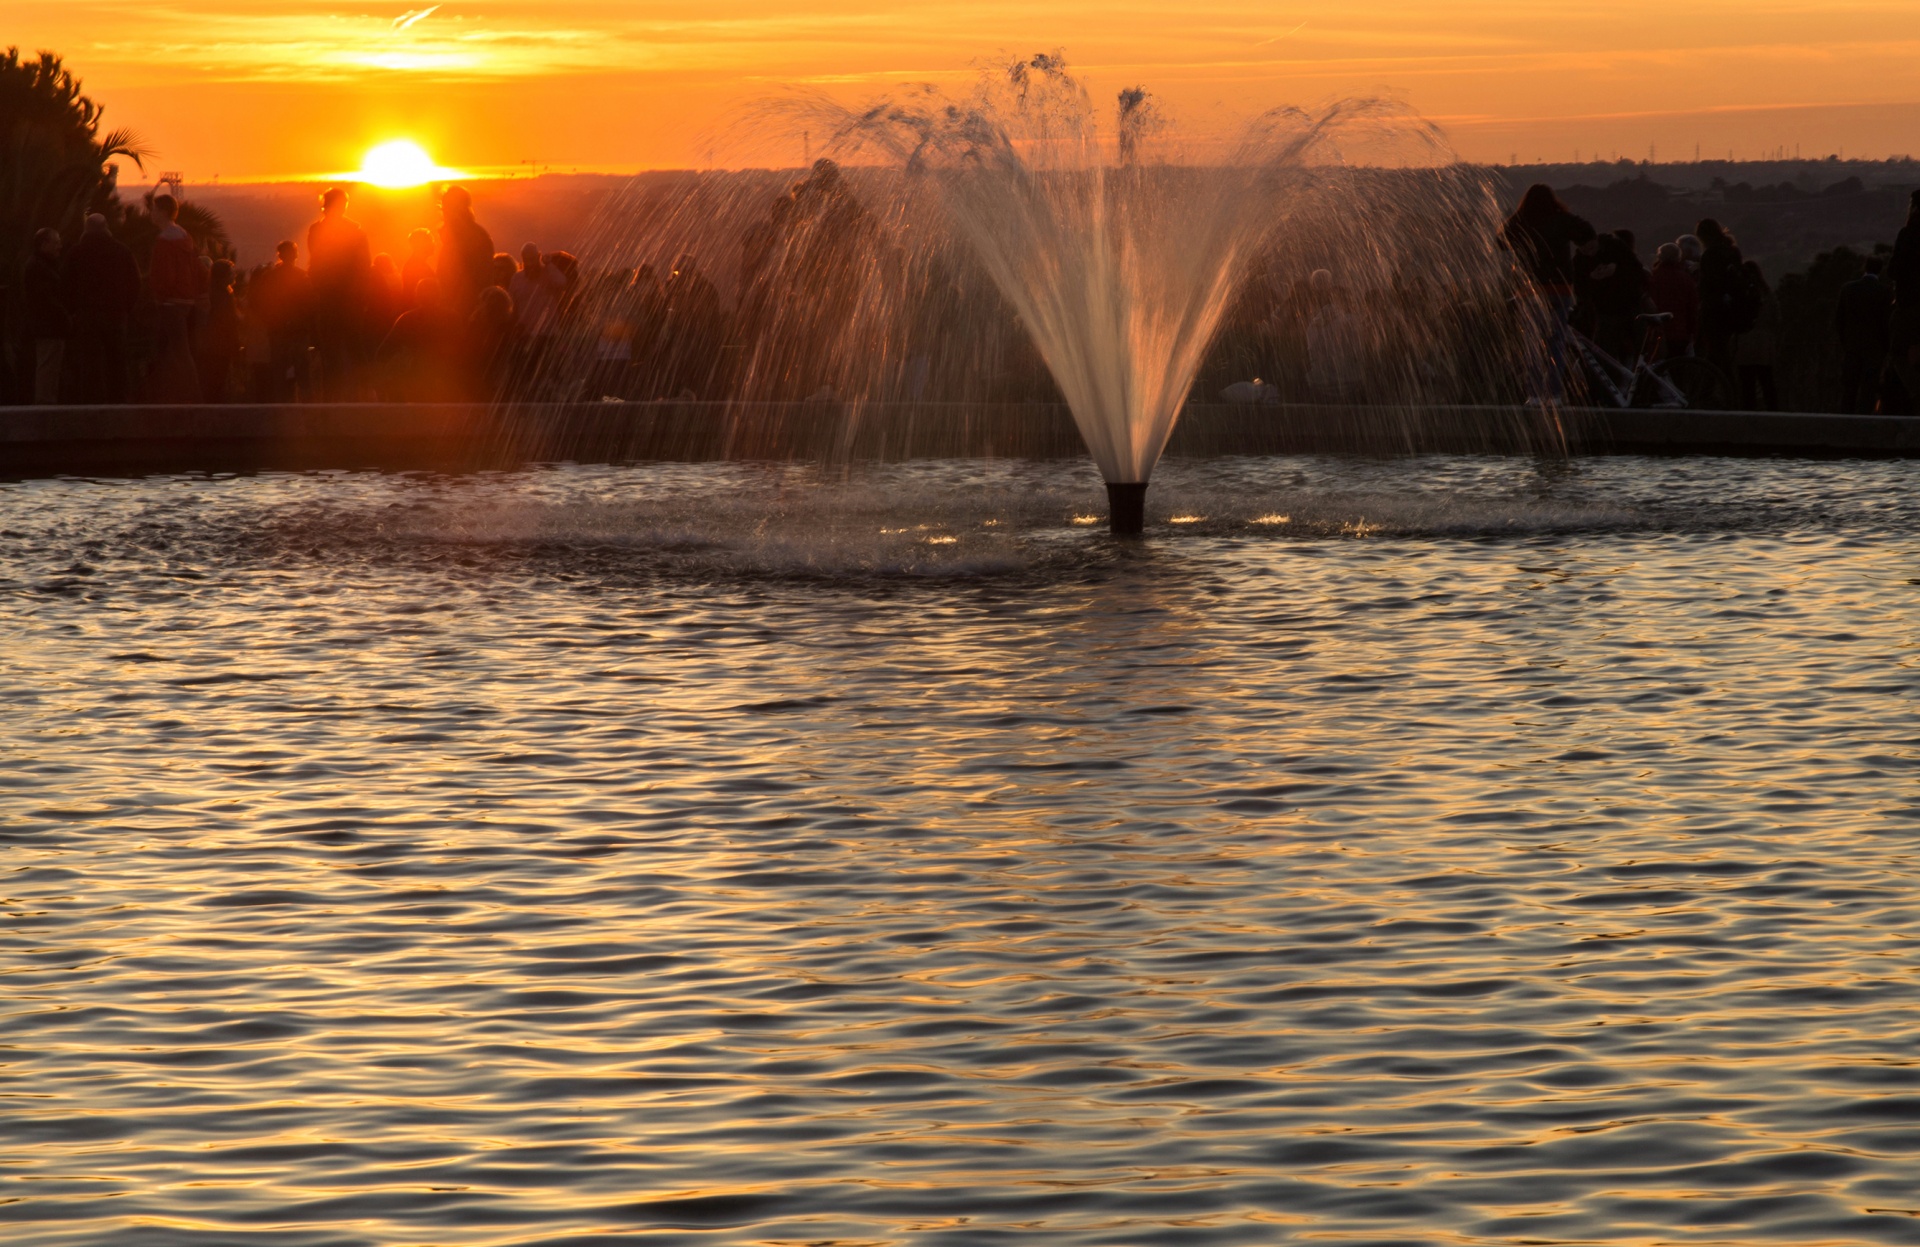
(1484,852)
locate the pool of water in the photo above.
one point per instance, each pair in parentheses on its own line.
(1436,852)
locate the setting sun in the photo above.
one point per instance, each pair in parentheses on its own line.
(401,163)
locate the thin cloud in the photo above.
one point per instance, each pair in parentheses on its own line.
(408,20)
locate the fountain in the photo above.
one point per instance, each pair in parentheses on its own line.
(1121,251)
(958,269)
(733,846)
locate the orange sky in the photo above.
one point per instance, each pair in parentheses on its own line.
(249,89)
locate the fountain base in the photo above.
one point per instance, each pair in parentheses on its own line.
(1127,508)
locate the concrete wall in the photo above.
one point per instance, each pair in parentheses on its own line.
(114,440)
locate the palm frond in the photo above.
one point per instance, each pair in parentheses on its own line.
(124,143)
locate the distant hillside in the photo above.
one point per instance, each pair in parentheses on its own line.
(609,221)
(555,211)
(1784,212)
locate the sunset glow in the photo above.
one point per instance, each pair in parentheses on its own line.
(278,88)
(401,163)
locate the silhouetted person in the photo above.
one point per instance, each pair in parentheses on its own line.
(255,345)
(1617,289)
(219,345)
(466,252)
(1333,358)
(279,297)
(1758,344)
(421,359)
(103,288)
(1863,319)
(1724,308)
(174,278)
(567,270)
(417,266)
(536,291)
(339,271)
(804,278)
(649,324)
(48,324)
(536,288)
(1903,346)
(611,308)
(694,331)
(485,346)
(386,297)
(1543,236)
(1673,290)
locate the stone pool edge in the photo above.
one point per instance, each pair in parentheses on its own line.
(53,441)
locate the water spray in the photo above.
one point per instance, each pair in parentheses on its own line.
(1120,249)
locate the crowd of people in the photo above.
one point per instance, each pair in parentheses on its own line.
(1700,297)
(333,322)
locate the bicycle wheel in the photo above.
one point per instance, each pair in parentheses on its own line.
(1700,383)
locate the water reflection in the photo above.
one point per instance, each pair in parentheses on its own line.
(598,856)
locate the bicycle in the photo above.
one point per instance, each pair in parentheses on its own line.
(1654,380)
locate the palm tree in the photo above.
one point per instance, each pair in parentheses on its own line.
(54,162)
(54,157)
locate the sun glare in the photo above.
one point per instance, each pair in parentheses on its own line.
(402,163)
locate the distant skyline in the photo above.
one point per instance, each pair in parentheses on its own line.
(267,89)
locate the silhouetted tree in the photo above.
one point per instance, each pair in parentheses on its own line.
(54,161)
(54,158)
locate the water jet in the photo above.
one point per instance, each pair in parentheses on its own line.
(1121,249)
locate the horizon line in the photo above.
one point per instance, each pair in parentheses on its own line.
(514,174)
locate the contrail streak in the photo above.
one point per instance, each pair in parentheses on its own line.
(408,20)
(1263,43)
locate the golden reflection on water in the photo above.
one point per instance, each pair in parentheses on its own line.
(488,862)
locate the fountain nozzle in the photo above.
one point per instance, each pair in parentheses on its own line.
(1127,508)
